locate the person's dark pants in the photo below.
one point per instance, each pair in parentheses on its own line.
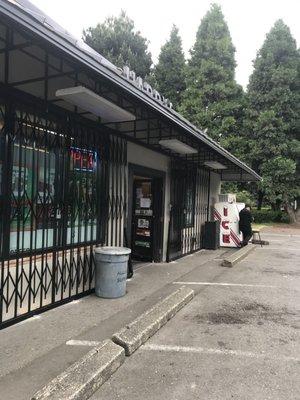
(246,236)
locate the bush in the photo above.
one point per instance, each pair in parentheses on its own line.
(285,218)
(270,216)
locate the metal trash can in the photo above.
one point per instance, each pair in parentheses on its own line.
(111,271)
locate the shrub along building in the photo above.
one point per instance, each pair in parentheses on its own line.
(89,154)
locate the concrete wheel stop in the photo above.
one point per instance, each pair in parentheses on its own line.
(140,330)
(84,377)
(237,256)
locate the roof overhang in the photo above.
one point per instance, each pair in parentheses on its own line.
(67,45)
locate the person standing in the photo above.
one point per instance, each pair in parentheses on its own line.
(245,224)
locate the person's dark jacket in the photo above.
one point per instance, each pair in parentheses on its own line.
(245,220)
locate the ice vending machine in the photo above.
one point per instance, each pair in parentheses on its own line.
(227,212)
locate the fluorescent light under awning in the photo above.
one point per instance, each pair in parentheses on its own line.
(89,101)
(215,165)
(177,146)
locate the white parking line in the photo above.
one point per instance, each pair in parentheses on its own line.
(195,350)
(89,343)
(222,284)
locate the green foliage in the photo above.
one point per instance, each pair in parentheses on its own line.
(261,216)
(242,195)
(285,218)
(229,187)
(275,82)
(169,73)
(279,180)
(213,42)
(118,41)
(246,197)
(212,99)
(272,126)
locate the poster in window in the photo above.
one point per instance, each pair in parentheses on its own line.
(145,202)
(143,223)
(20,181)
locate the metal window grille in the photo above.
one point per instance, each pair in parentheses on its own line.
(62,191)
(186,237)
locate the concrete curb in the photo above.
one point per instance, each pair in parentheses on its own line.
(146,325)
(238,256)
(84,377)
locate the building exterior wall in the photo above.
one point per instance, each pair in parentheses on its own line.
(64,206)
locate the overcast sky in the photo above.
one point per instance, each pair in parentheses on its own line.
(248,20)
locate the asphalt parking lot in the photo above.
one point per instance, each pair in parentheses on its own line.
(238,339)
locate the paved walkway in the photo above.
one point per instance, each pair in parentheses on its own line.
(238,339)
(35,351)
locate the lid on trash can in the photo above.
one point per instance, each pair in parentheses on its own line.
(114,251)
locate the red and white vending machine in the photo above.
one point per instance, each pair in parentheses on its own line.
(227,212)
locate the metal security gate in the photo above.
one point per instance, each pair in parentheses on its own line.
(58,199)
(189,209)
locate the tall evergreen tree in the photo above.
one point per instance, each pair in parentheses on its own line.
(212,99)
(118,41)
(169,73)
(274,116)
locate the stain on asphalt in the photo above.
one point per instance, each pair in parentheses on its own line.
(220,318)
(222,344)
(245,312)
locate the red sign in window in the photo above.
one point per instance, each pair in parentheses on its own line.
(83,160)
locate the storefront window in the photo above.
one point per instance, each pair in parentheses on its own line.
(33,191)
(53,189)
(82,200)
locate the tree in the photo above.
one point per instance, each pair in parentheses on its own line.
(280,183)
(169,73)
(273,118)
(212,99)
(118,41)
